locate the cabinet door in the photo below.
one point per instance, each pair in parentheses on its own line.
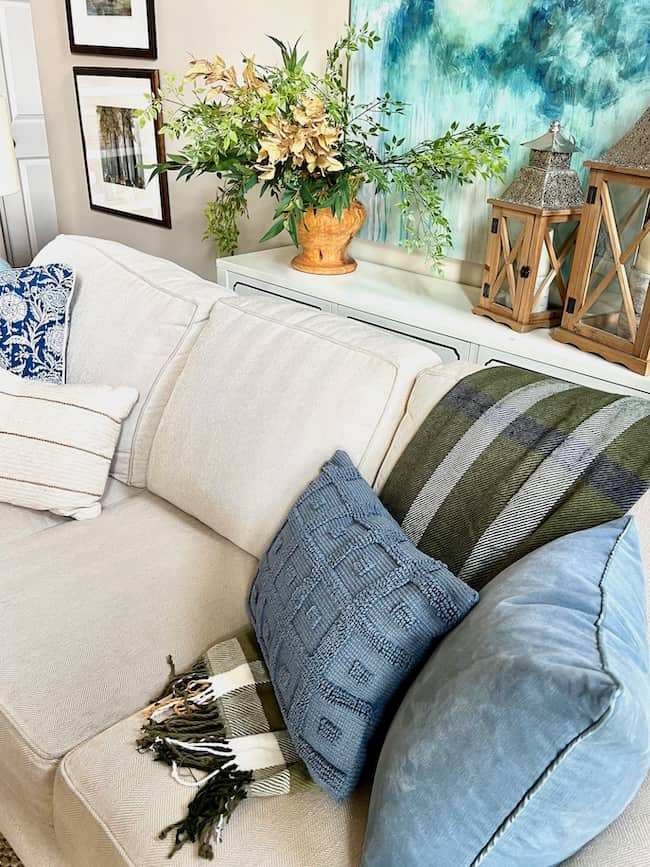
(244,285)
(488,357)
(448,348)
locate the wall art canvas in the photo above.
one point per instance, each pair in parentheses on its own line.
(124,28)
(116,148)
(519,63)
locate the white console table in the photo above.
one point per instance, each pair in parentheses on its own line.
(424,308)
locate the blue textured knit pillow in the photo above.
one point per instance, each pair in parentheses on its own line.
(34,305)
(345,608)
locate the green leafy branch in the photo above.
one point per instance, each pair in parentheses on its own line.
(303,139)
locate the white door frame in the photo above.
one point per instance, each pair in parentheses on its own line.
(28,218)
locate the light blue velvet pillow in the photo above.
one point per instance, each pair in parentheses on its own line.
(5,266)
(345,609)
(528,730)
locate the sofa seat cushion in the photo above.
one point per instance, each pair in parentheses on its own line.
(625,843)
(271,390)
(16,523)
(110,803)
(134,319)
(88,614)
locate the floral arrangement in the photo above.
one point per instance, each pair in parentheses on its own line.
(303,139)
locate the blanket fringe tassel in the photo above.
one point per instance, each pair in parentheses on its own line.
(210,810)
(185,734)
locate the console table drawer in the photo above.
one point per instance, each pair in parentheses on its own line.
(428,309)
(448,348)
(488,357)
(243,285)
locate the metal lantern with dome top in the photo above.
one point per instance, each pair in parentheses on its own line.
(607,309)
(527,260)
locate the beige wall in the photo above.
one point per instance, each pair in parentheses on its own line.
(198,27)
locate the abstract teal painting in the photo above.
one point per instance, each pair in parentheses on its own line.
(519,63)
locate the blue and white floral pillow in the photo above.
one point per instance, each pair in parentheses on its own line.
(34,308)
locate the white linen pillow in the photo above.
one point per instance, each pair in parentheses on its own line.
(57,443)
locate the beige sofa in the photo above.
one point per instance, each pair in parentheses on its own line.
(241,401)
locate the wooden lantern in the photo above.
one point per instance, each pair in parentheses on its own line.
(607,310)
(524,277)
(523,267)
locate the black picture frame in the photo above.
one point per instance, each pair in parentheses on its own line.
(153,77)
(148,53)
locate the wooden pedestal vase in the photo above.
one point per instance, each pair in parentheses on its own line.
(324,240)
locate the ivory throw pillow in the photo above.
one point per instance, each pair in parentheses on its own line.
(57,443)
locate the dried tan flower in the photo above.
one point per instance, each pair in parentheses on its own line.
(310,110)
(211,70)
(310,141)
(214,72)
(252,81)
(267,172)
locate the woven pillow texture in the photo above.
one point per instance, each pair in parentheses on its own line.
(345,609)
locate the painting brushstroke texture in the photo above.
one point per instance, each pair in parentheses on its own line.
(519,63)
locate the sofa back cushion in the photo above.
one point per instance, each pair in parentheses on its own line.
(133,321)
(270,391)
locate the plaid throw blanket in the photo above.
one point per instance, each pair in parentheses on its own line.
(510,460)
(221,719)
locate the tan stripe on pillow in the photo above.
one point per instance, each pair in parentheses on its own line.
(57,443)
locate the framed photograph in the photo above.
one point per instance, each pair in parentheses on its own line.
(116,148)
(123,28)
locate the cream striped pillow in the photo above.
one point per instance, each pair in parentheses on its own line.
(57,443)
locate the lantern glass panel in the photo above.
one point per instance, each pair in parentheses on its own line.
(617,286)
(513,251)
(554,266)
